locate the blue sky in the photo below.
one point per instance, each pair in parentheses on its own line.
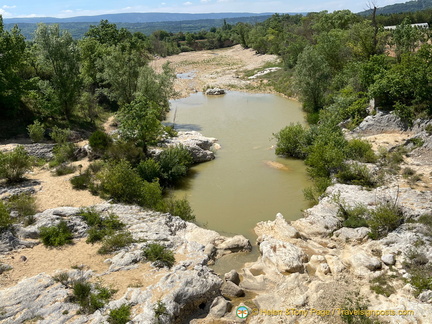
(71,8)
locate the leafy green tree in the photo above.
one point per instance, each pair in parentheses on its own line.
(139,122)
(406,38)
(12,61)
(311,76)
(58,56)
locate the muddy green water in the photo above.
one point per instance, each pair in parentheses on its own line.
(240,187)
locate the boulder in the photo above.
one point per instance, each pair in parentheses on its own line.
(353,235)
(231,290)
(278,229)
(380,123)
(215,92)
(283,256)
(232,276)
(227,245)
(361,260)
(388,259)
(219,307)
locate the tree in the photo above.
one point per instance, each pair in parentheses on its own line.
(311,76)
(59,58)
(406,38)
(12,60)
(139,122)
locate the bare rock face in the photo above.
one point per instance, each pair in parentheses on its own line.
(278,229)
(231,290)
(232,276)
(283,256)
(219,307)
(381,123)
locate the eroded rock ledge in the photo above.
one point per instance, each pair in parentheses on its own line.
(186,288)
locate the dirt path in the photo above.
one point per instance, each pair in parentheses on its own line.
(215,68)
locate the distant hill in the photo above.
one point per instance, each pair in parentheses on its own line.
(410,6)
(135,17)
(78,29)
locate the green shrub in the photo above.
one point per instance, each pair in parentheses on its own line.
(63,152)
(160,310)
(353,217)
(385,218)
(56,235)
(159,254)
(428,129)
(174,164)
(381,286)
(179,208)
(60,136)
(122,183)
(356,174)
(100,141)
(170,130)
(122,150)
(13,165)
(361,151)
(407,172)
(115,242)
(88,300)
(120,315)
(100,227)
(292,141)
(5,218)
(36,131)
(64,169)
(149,170)
(91,216)
(81,181)
(24,204)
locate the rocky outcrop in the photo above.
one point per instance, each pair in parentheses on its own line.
(264,72)
(200,147)
(381,123)
(215,92)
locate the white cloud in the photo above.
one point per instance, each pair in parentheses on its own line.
(4,13)
(67,11)
(205,1)
(8,7)
(187,3)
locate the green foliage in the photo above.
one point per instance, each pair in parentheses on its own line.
(5,218)
(115,242)
(420,269)
(24,204)
(122,183)
(15,164)
(64,169)
(56,235)
(407,172)
(361,151)
(120,315)
(383,219)
(356,174)
(293,141)
(149,170)
(36,131)
(100,141)
(60,135)
(88,300)
(357,304)
(100,227)
(81,181)
(174,164)
(160,310)
(353,217)
(63,153)
(381,286)
(177,207)
(125,150)
(159,254)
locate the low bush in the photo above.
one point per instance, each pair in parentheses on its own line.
(353,217)
(13,165)
(88,300)
(120,315)
(160,255)
(24,204)
(115,242)
(356,174)
(407,172)
(383,219)
(149,170)
(100,227)
(63,152)
(5,218)
(81,181)
(59,135)
(179,208)
(36,131)
(174,164)
(382,286)
(160,310)
(361,151)
(100,141)
(122,183)
(56,235)
(420,269)
(64,169)
(122,150)
(293,141)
